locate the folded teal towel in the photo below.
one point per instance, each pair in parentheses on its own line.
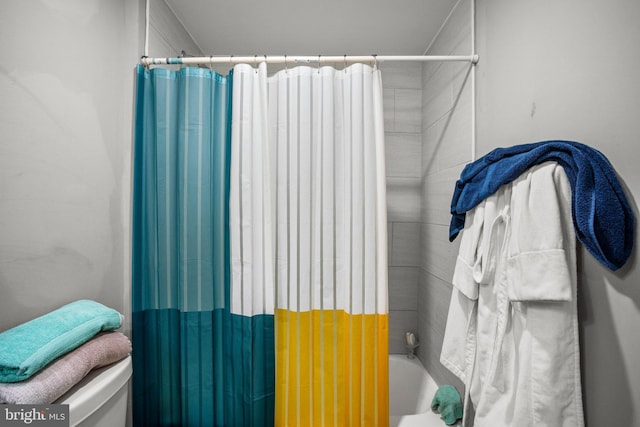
(27,348)
(447,401)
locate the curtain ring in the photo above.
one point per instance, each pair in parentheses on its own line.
(375,61)
(319,64)
(211,63)
(345,63)
(231,61)
(286,68)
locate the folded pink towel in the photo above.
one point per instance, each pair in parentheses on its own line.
(66,371)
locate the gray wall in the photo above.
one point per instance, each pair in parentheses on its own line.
(569,70)
(66,111)
(548,70)
(66,79)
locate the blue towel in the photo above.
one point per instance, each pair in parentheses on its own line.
(603,220)
(27,348)
(448,403)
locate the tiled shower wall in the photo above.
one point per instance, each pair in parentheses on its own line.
(402,85)
(446,148)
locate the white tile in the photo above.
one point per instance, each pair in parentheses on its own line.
(438,81)
(408,116)
(429,354)
(447,141)
(456,136)
(403,154)
(434,295)
(436,196)
(389,241)
(170,31)
(460,77)
(401,322)
(403,288)
(433,306)
(438,254)
(403,199)
(457,28)
(405,248)
(389,109)
(462,43)
(430,338)
(438,96)
(431,140)
(436,107)
(428,70)
(458,33)
(401,75)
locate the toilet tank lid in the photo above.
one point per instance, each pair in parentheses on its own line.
(96,388)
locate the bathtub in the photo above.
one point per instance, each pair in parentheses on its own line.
(411,389)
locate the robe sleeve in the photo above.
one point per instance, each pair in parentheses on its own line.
(467,260)
(459,338)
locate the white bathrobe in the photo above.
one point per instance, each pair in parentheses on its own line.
(512,328)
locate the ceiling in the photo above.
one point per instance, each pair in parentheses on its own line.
(312,27)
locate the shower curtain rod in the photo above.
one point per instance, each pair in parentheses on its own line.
(318,59)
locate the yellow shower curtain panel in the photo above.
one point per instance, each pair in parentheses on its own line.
(337,363)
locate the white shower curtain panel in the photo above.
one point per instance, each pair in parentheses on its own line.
(309,239)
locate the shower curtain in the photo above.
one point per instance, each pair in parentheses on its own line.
(178,261)
(259,248)
(191,366)
(311,196)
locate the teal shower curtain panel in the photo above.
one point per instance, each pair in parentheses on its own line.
(195,363)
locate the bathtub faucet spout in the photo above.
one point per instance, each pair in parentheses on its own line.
(412,344)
